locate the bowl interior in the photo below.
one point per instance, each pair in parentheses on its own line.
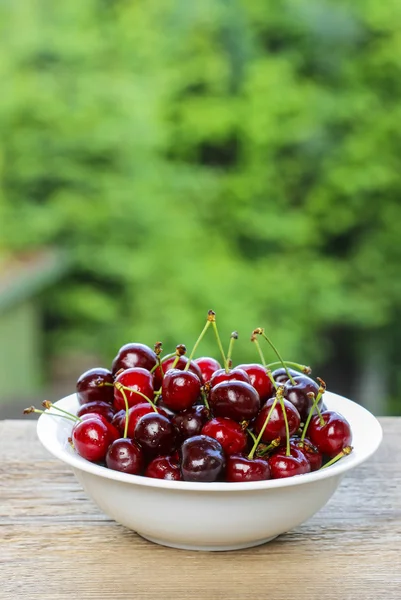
(54,432)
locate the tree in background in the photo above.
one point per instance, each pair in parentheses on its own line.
(234,154)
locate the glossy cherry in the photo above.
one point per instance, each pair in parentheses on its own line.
(99,407)
(203,459)
(280,375)
(164,467)
(125,456)
(167,364)
(259,379)
(310,452)
(282,466)
(90,386)
(208,366)
(134,414)
(114,433)
(134,355)
(229,433)
(91,439)
(180,389)
(232,375)
(155,434)
(136,379)
(240,469)
(298,394)
(331,437)
(235,400)
(275,428)
(190,422)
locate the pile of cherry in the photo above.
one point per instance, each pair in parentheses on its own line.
(188,419)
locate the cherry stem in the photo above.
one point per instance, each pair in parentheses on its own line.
(48,405)
(294,365)
(206,327)
(233,337)
(159,364)
(314,406)
(261,332)
(266,449)
(344,452)
(261,432)
(253,436)
(211,315)
(254,339)
(120,387)
(126,412)
(32,409)
(287,429)
(204,398)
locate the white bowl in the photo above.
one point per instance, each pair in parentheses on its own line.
(211,516)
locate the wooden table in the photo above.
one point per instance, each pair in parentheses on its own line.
(54,543)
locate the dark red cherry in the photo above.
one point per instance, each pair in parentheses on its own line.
(91,439)
(134,414)
(259,379)
(155,434)
(298,394)
(164,467)
(134,355)
(138,380)
(207,366)
(310,452)
(235,400)
(99,407)
(331,437)
(111,428)
(167,364)
(282,466)
(190,422)
(203,459)
(180,389)
(228,432)
(276,425)
(240,469)
(125,456)
(90,386)
(280,375)
(232,375)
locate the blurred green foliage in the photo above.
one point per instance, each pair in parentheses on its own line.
(241,155)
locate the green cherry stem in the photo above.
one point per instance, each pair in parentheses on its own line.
(233,337)
(287,429)
(126,411)
(263,450)
(314,406)
(344,452)
(261,332)
(254,339)
(204,398)
(253,436)
(160,361)
(48,405)
(32,409)
(120,387)
(273,406)
(206,327)
(212,317)
(303,368)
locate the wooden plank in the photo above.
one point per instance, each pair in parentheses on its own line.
(54,543)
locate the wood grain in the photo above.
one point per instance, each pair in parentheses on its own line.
(55,544)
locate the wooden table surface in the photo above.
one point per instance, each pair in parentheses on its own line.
(54,543)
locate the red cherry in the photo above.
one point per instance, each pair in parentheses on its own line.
(138,380)
(280,375)
(134,414)
(91,439)
(180,389)
(236,400)
(90,386)
(190,422)
(155,434)
(331,437)
(310,452)
(134,355)
(259,379)
(232,375)
(298,394)
(276,425)
(112,429)
(125,456)
(164,467)
(240,469)
(207,366)
(203,459)
(167,364)
(282,466)
(99,407)
(229,433)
